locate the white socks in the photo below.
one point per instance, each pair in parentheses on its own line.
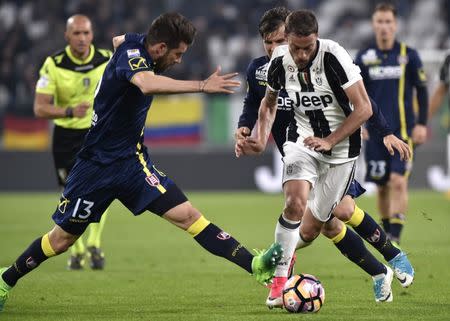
(287,234)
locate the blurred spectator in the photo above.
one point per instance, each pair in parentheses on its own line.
(226,32)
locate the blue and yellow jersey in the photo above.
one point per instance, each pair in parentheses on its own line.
(390,77)
(120,108)
(72,81)
(256,89)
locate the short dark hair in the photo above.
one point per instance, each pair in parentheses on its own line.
(302,23)
(272,19)
(385,6)
(172,29)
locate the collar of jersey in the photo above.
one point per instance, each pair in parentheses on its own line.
(79,61)
(314,58)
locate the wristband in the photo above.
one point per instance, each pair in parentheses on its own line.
(69,112)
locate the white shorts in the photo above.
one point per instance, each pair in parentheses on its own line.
(329,182)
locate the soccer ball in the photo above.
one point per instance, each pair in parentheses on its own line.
(303,293)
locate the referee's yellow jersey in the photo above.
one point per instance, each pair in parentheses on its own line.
(72,81)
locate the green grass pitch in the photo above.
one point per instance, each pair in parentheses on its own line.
(156,272)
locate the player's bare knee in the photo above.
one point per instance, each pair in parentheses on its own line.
(60,240)
(398,183)
(344,210)
(309,235)
(294,208)
(331,228)
(185,216)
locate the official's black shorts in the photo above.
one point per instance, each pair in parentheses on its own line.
(66,144)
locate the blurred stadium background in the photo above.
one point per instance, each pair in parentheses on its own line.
(182,130)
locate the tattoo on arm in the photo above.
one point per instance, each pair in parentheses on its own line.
(271,98)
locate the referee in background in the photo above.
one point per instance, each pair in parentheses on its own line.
(65,93)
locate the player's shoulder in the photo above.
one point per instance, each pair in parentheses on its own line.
(133,45)
(331,46)
(256,64)
(280,51)
(370,49)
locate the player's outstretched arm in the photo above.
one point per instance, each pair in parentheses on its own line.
(150,83)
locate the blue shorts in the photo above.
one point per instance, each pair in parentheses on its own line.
(355,190)
(91,188)
(380,164)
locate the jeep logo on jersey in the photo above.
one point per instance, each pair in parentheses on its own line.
(312,101)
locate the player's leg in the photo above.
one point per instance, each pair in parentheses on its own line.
(368,229)
(384,206)
(95,253)
(297,182)
(329,191)
(287,235)
(377,171)
(147,188)
(353,248)
(51,244)
(398,183)
(174,207)
(363,224)
(399,203)
(65,145)
(77,255)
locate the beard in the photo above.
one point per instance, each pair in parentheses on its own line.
(161,64)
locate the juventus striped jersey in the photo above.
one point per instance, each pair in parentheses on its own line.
(319,100)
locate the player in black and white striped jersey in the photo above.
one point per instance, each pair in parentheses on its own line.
(330,104)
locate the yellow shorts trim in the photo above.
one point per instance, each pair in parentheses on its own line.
(46,246)
(198,226)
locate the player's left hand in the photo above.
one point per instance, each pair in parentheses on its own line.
(317,144)
(217,83)
(392,142)
(419,134)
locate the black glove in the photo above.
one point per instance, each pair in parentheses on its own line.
(275,74)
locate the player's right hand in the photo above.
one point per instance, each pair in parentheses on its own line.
(217,83)
(79,111)
(241,133)
(249,146)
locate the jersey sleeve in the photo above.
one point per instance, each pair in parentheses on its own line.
(46,83)
(342,64)
(419,78)
(130,61)
(360,64)
(378,121)
(251,101)
(444,74)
